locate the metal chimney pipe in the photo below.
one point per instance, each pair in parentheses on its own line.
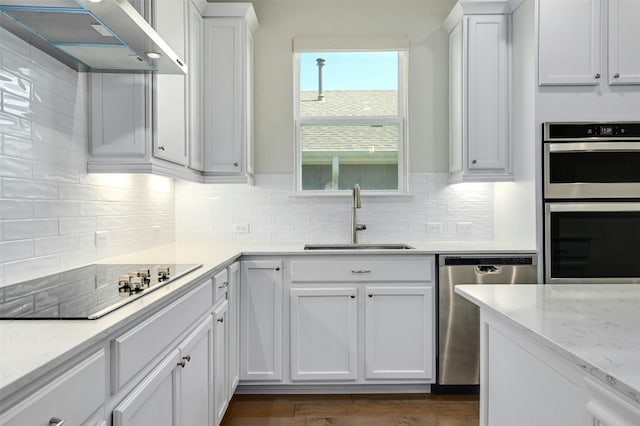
(320,62)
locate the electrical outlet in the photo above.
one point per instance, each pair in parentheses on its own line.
(240,228)
(463,227)
(102,238)
(434,227)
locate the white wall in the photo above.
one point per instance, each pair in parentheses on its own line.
(50,207)
(421,21)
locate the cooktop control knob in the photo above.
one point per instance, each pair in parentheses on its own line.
(145,274)
(164,273)
(136,284)
(124,284)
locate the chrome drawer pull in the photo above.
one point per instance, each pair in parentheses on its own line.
(54,421)
(361,271)
(224,284)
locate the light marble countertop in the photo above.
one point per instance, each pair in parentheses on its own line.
(595,326)
(30,348)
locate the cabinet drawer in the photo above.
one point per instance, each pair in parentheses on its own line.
(220,285)
(73,397)
(135,349)
(362,269)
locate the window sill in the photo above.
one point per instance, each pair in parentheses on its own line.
(347,193)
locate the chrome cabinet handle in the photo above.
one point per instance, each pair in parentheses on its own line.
(616,75)
(224,284)
(361,271)
(182,363)
(188,358)
(221,319)
(597,76)
(474,161)
(352,296)
(235,164)
(161,147)
(54,421)
(371,295)
(277,268)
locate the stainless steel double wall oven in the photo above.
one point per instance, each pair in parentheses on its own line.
(591,175)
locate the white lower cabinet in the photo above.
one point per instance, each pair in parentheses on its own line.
(399,332)
(233,342)
(76,397)
(261,320)
(179,390)
(324,333)
(221,388)
(361,320)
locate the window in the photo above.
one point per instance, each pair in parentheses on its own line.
(350,120)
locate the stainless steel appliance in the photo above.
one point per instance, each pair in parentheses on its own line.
(591,160)
(591,174)
(459,319)
(88,292)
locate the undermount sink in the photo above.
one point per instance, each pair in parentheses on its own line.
(358,247)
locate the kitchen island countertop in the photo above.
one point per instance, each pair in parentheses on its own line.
(594,326)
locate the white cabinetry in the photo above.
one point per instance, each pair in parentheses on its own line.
(261,320)
(324,333)
(575,54)
(399,332)
(75,397)
(479,90)
(361,319)
(228,89)
(143,123)
(233,342)
(178,390)
(610,409)
(221,332)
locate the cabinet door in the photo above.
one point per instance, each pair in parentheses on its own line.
(195,55)
(195,394)
(224,68)
(152,402)
(569,42)
(221,330)
(624,42)
(324,333)
(488,93)
(457,88)
(261,320)
(76,397)
(233,342)
(170,91)
(399,333)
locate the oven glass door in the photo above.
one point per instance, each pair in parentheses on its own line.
(592,242)
(592,170)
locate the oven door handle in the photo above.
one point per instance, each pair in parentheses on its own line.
(592,207)
(592,146)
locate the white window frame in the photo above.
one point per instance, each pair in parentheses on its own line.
(400,120)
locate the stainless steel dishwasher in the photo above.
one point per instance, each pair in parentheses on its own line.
(459,319)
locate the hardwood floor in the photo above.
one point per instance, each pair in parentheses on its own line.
(353,410)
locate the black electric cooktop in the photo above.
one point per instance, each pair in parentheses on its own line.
(88,292)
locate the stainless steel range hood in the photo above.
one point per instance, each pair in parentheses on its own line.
(91,35)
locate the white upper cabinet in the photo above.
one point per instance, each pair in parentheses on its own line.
(152,123)
(228,89)
(570,42)
(479,90)
(624,41)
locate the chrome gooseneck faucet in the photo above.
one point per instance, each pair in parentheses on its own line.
(355,226)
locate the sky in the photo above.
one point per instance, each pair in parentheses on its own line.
(350,71)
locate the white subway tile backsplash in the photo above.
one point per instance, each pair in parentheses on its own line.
(16,209)
(14,250)
(30,228)
(275,215)
(49,205)
(55,208)
(22,188)
(52,245)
